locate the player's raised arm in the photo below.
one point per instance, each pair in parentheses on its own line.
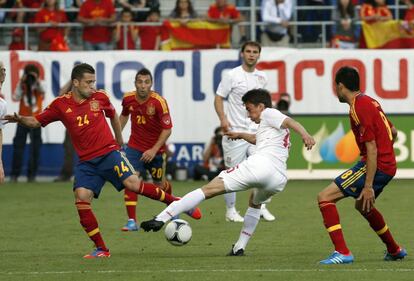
(298,128)
(251,138)
(27,121)
(116,126)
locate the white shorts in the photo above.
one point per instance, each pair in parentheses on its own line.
(256,172)
(236,151)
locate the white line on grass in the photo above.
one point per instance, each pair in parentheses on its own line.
(210,270)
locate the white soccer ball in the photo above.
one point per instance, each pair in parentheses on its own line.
(178,232)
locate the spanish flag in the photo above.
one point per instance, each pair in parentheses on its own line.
(392,34)
(195,35)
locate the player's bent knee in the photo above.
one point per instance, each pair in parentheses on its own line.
(132,183)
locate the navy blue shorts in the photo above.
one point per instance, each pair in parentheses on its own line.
(156,167)
(113,167)
(352,181)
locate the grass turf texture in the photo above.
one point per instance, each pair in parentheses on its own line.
(41,238)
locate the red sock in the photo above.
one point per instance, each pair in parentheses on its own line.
(152,191)
(333,226)
(377,223)
(167,187)
(131,199)
(90,224)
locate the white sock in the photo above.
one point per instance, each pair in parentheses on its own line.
(230,199)
(251,219)
(188,202)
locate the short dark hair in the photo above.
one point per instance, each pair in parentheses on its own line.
(251,43)
(257,96)
(349,77)
(31,68)
(80,69)
(143,71)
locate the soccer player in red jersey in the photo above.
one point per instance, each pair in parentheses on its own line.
(82,111)
(374,135)
(150,128)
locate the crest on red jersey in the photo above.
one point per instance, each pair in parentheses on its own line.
(166,119)
(94,105)
(150,109)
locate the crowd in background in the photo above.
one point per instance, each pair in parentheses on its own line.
(105,23)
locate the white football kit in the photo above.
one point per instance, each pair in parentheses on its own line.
(266,169)
(233,86)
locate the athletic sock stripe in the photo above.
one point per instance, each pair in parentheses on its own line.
(382,230)
(334,227)
(162,196)
(130,203)
(93,232)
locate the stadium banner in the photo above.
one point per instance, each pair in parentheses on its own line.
(336,148)
(195,34)
(188,80)
(392,34)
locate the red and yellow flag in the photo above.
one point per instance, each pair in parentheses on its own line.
(390,34)
(195,35)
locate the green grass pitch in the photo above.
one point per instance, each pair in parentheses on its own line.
(41,238)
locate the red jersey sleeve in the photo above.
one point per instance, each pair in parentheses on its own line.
(233,12)
(164,114)
(365,112)
(125,107)
(49,114)
(107,106)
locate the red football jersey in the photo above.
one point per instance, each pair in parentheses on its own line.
(86,123)
(148,119)
(228,12)
(368,122)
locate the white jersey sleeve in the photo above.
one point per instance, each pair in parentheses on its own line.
(3,111)
(273,118)
(225,86)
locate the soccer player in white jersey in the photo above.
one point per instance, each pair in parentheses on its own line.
(264,171)
(232,87)
(3,109)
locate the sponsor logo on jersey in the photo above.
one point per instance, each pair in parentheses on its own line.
(69,110)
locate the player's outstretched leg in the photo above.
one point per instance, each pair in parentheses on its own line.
(131,199)
(188,202)
(331,221)
(251,219)
(377,223)
(90,224)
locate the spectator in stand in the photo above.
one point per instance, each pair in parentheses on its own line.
(31,4)
(97,15)
(344,28)
(50,13)
(149,5)
(276,14)
(408,23)
(5,4)
(375,10)
(183,11)
(30,93)
(71,4)
(221,11)
(123,27)
(17,42)
(213,161)
(150,35)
